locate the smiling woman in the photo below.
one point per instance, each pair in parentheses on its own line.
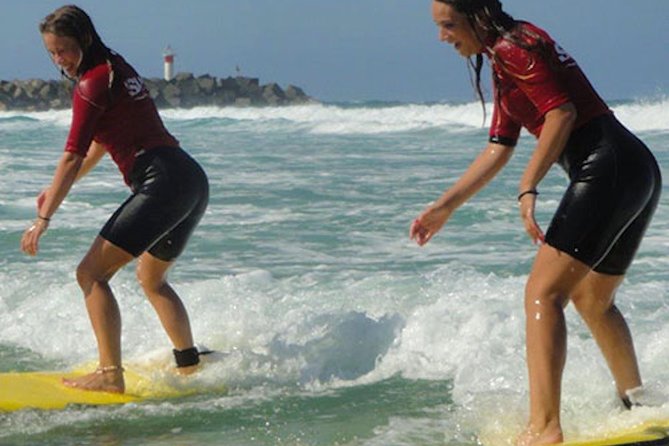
(454,28)
(614,188)
(65,52)
(72,40)
(112,112)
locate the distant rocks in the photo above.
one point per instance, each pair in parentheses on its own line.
(184,91)
(34,94)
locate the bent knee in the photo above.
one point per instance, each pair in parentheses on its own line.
(87,275)
(536,294)
(589,307)
(148,281)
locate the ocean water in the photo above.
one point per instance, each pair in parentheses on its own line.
(335,328)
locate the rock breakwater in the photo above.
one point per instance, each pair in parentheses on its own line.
(184,91)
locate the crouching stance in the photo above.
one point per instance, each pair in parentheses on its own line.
(112,112)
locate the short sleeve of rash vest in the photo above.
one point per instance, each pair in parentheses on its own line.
(89,101)
(533,75)
(503,129)
(530,85)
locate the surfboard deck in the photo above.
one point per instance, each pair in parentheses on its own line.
(44,390)
(651,433)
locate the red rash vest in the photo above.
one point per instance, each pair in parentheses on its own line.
(112,106)
(528,85)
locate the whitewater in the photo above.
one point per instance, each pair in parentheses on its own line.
(336,328)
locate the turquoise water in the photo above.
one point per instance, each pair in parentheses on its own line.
(336,329)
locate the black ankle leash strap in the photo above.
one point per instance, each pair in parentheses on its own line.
(189,356)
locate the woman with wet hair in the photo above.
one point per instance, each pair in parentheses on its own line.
(112,112)
(614,188)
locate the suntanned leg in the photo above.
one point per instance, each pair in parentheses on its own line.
(594,300)
(152,276)
(554,275)
(93,274)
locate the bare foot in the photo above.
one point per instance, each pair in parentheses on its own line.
(531,437)
(103,379)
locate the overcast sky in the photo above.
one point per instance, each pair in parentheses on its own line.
(347,50)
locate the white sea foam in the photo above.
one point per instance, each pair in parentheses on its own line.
(645,115)
(19,120)
(639,115)
(302,272)
(455,324)
(350,119)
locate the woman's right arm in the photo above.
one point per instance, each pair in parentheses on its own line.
(93,156)
(63,179)
(82,153)
(483,169)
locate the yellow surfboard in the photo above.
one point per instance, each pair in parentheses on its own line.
(650,433)
(44,390)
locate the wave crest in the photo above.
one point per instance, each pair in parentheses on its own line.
(356,118)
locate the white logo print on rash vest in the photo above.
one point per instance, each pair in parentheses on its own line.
(135,88)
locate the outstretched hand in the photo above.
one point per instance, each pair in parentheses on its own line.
(428,224)
(30,239)
(31,236)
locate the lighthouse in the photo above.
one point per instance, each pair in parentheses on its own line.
(168,57)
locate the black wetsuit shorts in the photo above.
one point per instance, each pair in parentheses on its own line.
(170,195)
(614,188)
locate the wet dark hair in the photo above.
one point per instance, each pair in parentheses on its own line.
(488,17)
(72,21)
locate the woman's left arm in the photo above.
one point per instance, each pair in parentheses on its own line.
(63,179)
(558,125)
